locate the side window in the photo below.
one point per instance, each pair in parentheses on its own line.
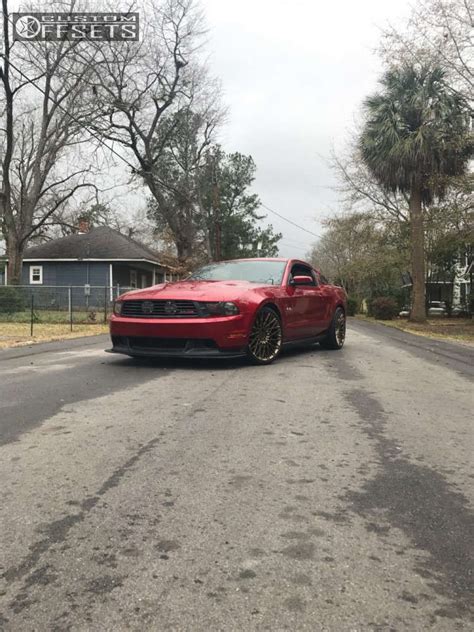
(301,270)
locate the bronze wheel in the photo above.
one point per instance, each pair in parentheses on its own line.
(336,334)
(340,328)
(266,337)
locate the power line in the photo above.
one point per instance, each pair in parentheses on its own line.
(292,242)
(290,246)
(290,221)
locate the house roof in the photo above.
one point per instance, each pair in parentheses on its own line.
(102,242)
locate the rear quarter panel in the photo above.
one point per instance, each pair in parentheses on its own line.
(340,297)
(337,298)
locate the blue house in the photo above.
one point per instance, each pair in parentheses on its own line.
(100,257)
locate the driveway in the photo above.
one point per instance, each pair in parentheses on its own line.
(328,491)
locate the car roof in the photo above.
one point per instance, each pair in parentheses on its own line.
(282,259)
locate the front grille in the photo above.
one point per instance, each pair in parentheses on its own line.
(159,309)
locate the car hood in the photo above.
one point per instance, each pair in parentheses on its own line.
(197,291)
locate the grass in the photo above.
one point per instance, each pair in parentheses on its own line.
(18,334)
(54,316)
(457,329)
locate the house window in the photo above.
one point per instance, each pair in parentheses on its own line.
(133,278)
(36,275)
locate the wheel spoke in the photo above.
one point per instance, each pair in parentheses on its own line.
(265,337)
(340,330)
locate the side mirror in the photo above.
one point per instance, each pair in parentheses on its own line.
(302,279)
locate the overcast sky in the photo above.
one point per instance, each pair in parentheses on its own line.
(294,74)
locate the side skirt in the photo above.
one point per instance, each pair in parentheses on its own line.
(289,344)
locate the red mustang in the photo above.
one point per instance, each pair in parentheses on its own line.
(250,307)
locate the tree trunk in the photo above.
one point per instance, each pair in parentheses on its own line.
(418,308)
(207,241)
(184,250)
(15,262)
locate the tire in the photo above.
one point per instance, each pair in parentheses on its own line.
(266,337)
(337,331)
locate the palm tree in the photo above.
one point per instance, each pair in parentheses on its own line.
(415,137)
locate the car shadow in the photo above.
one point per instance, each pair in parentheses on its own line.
(200,364)
(210,364)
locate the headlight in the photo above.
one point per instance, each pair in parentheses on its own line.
(118,307)
(224,308)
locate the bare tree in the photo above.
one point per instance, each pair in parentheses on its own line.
(361,254)
(362,197)
(180,166)
(44,111)
(148,92)
(438,32)
(359,191)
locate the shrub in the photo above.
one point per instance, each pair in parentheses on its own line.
(384,308)
(12,300)
(398,295)
(352,306)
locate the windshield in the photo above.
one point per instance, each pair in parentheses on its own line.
(270,272)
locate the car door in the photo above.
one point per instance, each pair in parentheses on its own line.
(322,305)
(300,304)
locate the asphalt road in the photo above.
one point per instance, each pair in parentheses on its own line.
(328,491)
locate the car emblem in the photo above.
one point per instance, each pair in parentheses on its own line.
(171,308)
(147,307)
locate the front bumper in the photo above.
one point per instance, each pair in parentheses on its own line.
(189,350)
(180,337)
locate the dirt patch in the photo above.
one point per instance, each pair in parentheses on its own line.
(19,334)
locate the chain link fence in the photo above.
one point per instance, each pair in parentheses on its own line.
(66,305)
